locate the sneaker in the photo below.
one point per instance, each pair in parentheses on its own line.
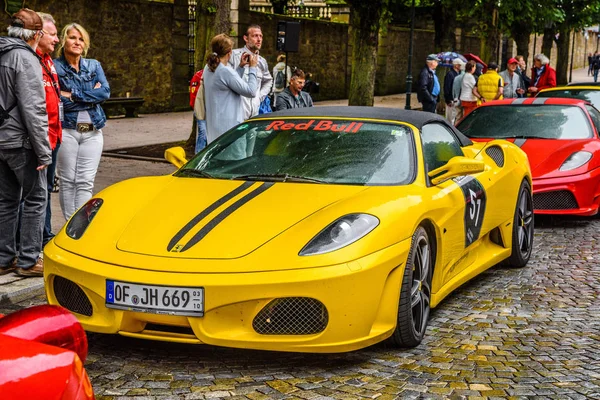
(36,270)
(9,268)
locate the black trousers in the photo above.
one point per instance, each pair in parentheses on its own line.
(429,106)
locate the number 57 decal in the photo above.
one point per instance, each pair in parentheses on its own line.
(475,200)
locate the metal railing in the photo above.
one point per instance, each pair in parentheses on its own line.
(298,11)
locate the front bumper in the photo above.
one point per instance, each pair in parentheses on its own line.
(361,298)
(571,195)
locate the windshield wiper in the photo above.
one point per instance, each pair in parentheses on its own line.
(276,178)
(194,172)
(535,137)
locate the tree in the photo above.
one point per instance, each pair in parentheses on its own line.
(212,18)
(548,39)
(445,22)
(489,32)
(365,22)
(520,19)
(576,15)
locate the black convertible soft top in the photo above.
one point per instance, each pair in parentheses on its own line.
(416,118)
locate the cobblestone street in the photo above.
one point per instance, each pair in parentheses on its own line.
(510,333)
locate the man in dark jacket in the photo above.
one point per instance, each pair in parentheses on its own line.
(293,96)
(24,146)
(429,85)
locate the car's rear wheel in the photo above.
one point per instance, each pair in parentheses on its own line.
(522,241)
(415,294)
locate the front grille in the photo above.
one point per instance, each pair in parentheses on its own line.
(292,316)
(557,200)
(71,296)
(496,154)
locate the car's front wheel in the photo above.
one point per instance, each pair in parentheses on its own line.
(522,237)
(415,294)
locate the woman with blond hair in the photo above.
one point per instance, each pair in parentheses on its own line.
(224,87)
(83,87)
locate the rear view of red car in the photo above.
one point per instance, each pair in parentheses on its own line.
(561,139)
(42,351)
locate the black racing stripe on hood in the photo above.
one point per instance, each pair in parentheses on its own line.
(206,212)
(224,214)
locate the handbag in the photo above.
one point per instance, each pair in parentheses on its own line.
(265,106)
(199,107)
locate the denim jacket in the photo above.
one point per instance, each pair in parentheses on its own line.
(83,95)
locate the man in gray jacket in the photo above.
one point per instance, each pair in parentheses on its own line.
(293,96)
(253,39)
(24,146)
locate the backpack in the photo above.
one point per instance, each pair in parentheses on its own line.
(280,80)
(265,106)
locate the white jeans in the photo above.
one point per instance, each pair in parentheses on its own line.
(78,160)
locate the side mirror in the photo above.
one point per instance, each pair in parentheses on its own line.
(176,156)
(457,166)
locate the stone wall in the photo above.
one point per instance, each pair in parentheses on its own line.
(323,51)
(141,45)
(392,63)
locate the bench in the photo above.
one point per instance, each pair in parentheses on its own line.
(130,104)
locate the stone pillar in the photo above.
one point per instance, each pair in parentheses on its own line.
(240,19)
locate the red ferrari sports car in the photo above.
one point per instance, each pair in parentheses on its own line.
(561,139)
(42,351)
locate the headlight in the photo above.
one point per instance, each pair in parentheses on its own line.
(347,229)
(576,160)
(82,218)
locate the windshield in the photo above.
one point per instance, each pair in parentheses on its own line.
(595,115)
(593,96)
(310,150)
(527,122)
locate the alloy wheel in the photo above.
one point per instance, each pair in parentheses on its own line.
(420,294)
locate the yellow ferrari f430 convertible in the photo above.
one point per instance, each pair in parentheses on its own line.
(321,229)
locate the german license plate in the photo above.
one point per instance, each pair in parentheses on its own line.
(171,300)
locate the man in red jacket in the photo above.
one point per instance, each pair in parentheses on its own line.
(53,105)
(542,75)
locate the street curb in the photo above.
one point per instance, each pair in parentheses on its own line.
(24,293)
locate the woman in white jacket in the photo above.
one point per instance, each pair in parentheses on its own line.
(224,87)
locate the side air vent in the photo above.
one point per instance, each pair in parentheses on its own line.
(71,296)
(496,154)
(292,316)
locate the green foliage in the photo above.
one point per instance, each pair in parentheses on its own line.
(12,6)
